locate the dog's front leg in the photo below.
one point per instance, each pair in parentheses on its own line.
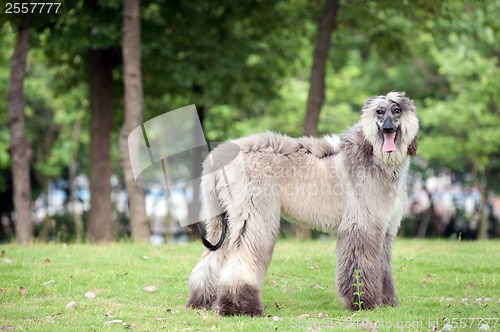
(389,289)
(359,264)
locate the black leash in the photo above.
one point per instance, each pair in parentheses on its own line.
(206,243)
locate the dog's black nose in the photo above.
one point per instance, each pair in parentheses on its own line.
(388,126)
(388,129)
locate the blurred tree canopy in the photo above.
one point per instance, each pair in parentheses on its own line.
(247,65)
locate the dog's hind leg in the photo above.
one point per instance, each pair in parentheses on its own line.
(252,236)
(204,278)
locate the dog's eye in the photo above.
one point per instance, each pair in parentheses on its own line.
(380,112)
(397,110)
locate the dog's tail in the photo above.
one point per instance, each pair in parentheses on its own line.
(222,218)
(217,196)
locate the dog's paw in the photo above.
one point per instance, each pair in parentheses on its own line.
(198,301)
(390,301)
(244,302)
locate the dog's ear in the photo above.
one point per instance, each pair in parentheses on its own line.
(367,148)
(412,148)
(407,104)
(365,145)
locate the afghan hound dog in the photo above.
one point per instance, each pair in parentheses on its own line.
(354,183)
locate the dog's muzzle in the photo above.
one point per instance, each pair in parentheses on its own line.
(389,134)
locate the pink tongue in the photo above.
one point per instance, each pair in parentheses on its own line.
(389,142)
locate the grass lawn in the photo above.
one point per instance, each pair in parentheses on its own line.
(438,283)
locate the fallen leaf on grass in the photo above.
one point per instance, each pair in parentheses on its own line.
(316,286)
(8,328)
(90,295)
(272,282)
(23,290)
(447,327)
(7,261)
(47,283)
(71,305)
(150,289)
(119,321)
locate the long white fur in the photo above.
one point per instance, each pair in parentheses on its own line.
(341,182)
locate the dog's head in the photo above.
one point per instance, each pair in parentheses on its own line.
(390,125)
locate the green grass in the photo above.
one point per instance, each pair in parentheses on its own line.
(436,281)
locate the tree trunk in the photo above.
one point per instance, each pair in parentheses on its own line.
(131,48)
(483,219)
(101,86)
(19,144)
(77,213)
(316,94)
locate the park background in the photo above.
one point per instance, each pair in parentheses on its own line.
(74,87)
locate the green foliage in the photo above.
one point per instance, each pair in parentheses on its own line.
(357,286)
(7,42)
(463,127)
(53,119)
(216,52)
(385,28)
